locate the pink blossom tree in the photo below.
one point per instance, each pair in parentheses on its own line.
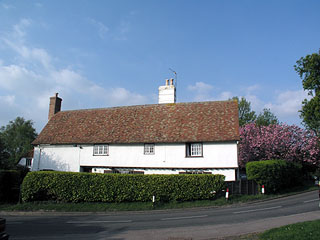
(278,141)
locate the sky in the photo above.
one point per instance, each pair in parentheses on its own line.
(99,54)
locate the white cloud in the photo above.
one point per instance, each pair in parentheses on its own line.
(7,6)
(39,5)
(225,96)
(122,96)
(250,89)
(102,29)
(201,91)
(288,103)
(256,104)
(19,29)
(28,84)
(8,100)
(17,78)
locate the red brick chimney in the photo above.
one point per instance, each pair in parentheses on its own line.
(54,106)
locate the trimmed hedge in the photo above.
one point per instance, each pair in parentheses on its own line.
(91,187)
(10,181)
(275,175)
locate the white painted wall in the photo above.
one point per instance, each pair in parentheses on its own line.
(56,157)
(216,156)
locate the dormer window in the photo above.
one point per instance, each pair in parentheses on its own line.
(101,150)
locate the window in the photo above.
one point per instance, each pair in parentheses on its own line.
(194,150)
(100,150)
(28,162)
(149,149)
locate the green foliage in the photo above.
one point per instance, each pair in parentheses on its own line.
(308,68)
(246,115)
(306,230)
(10,181)
(275,175)
(4,156)
(266,118)
(310,113)
(16,139)
(89,187)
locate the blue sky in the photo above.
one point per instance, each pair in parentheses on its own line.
(113,53)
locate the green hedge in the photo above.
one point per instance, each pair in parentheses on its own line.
(275,175)
(9,185)
(90,187)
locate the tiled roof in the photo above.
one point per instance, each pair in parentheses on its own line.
(158,123)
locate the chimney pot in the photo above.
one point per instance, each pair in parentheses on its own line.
(167,82)
(171,81)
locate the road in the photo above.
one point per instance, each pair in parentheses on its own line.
(203,223)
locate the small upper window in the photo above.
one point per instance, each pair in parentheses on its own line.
(194,150)
(101,149)
(149,149)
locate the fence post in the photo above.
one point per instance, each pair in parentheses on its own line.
(262,190)
(319,193)
(153,200)
(227,194)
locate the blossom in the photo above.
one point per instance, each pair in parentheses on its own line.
(278,141)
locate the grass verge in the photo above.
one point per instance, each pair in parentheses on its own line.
(306,230)
(140,206)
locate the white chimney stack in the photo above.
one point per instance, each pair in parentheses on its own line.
(167,93)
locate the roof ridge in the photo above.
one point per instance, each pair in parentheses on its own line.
(145,105)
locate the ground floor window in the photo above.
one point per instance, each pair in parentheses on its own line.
(28,162)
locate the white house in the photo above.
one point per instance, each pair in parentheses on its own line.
(166,138)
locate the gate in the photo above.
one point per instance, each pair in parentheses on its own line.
(243,187)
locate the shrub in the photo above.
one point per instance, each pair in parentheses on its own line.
(275,175)
(9,185)
(89,187)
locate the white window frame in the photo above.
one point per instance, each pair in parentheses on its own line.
(194,150)
(101,150)
(149,149)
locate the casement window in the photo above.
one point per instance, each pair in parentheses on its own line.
(149,149)
(101,150)
(194,150)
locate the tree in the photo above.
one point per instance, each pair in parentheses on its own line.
(266,118)
(4,156)
(16,139)
(278,141)
(246,115)
(308,68)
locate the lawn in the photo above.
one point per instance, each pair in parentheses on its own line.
(306,230)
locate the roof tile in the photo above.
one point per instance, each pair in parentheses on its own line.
(157,123)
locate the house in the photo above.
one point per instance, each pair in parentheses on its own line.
(26,161)
(164,138)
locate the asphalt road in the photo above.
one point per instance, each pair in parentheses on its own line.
(204,223)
